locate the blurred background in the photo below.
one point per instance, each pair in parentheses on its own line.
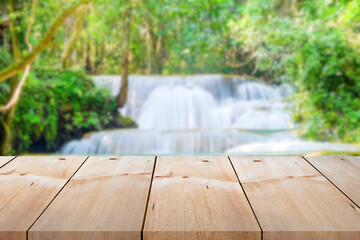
(139,77)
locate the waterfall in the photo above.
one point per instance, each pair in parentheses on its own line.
(201,114)
(178,107)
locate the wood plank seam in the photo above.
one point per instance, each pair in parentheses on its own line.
(198,198)
(147,201)
(252,209)
(8,161)
(331,182)
(105,199)
(27,231)
(294,201)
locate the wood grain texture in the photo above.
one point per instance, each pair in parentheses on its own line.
(198,198)
(27,186)
(4,160)
(106,199)
(293,201)
(344,172)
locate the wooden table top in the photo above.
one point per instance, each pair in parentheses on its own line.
(148,197)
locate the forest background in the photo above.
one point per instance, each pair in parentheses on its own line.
(48,50)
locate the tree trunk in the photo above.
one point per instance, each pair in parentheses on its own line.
(8,116)
(14,38)
(155,44)
(150,38)
(89,59)
(122,96)
(150,46)
(77,28)
(160,53)
(4,136)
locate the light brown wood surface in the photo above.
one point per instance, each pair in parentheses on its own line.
(198,198)
(4,160)
(105,200)
(344,172)
(293,201)
(27,186)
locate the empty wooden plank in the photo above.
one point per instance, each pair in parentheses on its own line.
(106,199)
(198,198)
(344,172)
(27,186)
(294,201)
(4,160)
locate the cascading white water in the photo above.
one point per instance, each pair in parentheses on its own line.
(204,114)
(178,107)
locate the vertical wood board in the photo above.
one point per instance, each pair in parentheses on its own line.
(106,199)
(198,198)
(344,172)
(293,201)
(27,186)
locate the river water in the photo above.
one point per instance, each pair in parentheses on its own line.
(202,114)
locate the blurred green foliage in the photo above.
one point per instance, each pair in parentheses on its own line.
(58,106)
(314,45)
(189,37)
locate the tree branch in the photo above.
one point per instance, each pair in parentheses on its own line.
(77,28)
(19,66)
(31,22)
(17,92)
